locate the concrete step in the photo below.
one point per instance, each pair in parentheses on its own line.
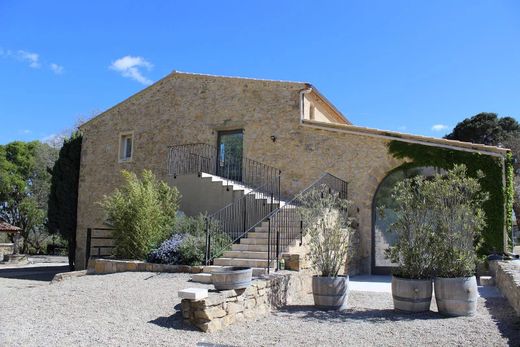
(259,235)
(245,254)
(241,262)
(265,229)
(245,247)
(202,278)
(253,241)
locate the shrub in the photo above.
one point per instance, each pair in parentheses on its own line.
(168,251)
(456,201)
(187,245)
(326,222)
(439,221)
(414,227)
(142,213)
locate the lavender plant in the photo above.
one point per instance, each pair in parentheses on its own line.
(168,251)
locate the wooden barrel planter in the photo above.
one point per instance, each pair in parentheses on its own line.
(330,292)
(411,295)
(456,296)
(232,277)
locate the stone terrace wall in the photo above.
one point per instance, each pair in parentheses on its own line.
(507,279)
(107,266)
(221,309)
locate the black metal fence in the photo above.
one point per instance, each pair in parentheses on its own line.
(285,225)
(201,158)
(100,243)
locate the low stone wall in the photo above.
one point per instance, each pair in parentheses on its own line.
(105,266)
(507,279)
(223,308)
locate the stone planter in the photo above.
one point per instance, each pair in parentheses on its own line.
(456,296)
(411,295)
(330,292)
(232,277)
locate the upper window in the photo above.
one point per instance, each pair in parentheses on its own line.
(126,147)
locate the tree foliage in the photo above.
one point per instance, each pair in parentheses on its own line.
(142,213)
(24,187)
(63,197)
(489,129)
(485,128)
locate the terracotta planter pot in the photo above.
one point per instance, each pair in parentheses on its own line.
(411,295)
(330,292)
(456,296)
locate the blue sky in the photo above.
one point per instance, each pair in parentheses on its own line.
(398,65)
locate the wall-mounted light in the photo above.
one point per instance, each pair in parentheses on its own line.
(273,138)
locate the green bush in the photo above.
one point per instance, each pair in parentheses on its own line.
(457,201)
(414,228)
(142,213)
(439,223)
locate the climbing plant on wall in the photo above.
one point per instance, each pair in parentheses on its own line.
(500,200)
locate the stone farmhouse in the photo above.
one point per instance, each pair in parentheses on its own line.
(223,140)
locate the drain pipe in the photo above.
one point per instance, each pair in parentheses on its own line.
(302,102)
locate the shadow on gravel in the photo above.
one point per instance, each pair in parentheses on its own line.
(505,318)
(40,273)
(175,321)
(310,312)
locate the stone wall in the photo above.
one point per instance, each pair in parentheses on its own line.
(107,266)
(221,309)
(184,108)
(507,279)
(6,249)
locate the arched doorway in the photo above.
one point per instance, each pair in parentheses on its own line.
(383,215)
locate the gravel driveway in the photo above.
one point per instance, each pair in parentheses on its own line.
(139,309)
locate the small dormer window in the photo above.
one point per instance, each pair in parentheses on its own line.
(126,147)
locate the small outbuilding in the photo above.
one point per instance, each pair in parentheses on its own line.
(8,248)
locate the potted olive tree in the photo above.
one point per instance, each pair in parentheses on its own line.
(329,232)
(459,220)
(412,252)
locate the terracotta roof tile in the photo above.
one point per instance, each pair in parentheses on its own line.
(6,227)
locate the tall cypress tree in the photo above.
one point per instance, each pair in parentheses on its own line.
(63,197)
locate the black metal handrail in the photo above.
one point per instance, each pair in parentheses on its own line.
(237,219)
(285,224)
(198,158)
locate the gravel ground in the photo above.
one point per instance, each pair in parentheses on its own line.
(141,309)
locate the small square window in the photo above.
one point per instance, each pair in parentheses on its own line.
(126,147)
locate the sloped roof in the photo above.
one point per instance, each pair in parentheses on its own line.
(393,135)
(346,127)
(302,85)
(8,228)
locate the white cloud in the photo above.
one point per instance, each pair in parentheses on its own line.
(26,131)
(402,128)
(32,58)
(57,69)
(439,127)
(130,67)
